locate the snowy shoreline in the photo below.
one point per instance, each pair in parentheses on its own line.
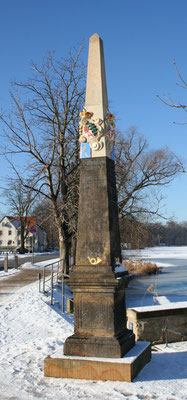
(31,329)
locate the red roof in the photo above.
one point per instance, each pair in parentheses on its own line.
(30,221)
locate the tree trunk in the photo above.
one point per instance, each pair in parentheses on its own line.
(64,254)
(22,238)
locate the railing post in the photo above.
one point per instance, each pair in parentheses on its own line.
(57,272)
(52,287)
(44,279)
(39,280)
(166,336)
(63,292)
(166,333)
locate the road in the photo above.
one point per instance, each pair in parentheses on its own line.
(22,260)
(12,284)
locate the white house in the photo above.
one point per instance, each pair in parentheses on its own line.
(10,235)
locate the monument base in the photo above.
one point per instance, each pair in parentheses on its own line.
(95,368)
(107,347)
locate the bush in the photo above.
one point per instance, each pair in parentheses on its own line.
(140,268)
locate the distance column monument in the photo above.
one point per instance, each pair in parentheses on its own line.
(98,289)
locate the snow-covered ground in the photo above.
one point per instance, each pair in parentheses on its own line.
(13,271)
(32,329)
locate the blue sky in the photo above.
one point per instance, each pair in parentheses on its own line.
(141,38)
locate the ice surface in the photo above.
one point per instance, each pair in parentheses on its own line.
(174,252)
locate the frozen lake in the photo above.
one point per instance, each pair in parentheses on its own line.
(170,284)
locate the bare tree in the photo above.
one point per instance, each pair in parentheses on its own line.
(20,203)
(169,101)
(44,213)
(43,125)
(141,173)
(134,233)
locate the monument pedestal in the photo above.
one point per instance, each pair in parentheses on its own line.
(99,314)
(113,369)
(98,295)
(112,347)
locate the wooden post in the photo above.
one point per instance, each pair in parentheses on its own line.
(6,263)
(16,261)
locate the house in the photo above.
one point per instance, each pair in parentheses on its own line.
(10,235)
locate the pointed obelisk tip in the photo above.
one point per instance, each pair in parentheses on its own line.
(96,115)
(95,36)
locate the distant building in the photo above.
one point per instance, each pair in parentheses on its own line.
(10,234)
(126,246)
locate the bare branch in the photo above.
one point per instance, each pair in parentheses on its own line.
(168,100)
(178,73)
(139,170)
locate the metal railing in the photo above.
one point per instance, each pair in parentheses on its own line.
(175,333)
(55,282)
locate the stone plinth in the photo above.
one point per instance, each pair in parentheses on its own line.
(121,369)
(150,323)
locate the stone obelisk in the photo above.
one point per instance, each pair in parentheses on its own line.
(101,338)
(99,294)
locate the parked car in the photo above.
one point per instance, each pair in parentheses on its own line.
(22,251)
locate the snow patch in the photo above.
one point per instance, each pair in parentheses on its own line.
(11,272)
